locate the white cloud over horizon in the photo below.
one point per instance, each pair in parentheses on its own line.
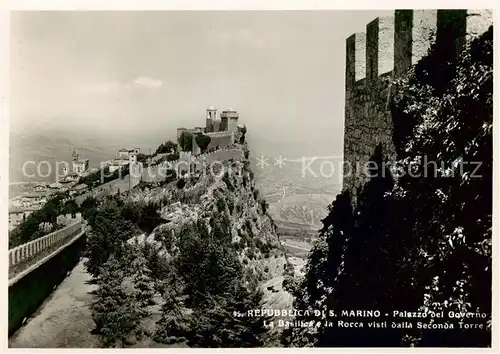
(113,86)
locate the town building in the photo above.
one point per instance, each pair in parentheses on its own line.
(79,168)
(124,154)
(40,187)
(16,216)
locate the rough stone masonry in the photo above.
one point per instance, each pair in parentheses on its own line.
(388,49)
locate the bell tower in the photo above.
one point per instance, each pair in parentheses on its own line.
(210,120)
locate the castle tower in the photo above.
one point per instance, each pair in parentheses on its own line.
(74,156)
(233,122)
(216,125)
(223,122)
(211,117)
(229,120)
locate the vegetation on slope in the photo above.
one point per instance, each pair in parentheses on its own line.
(203,275)
(419,241)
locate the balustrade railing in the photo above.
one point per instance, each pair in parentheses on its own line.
(29,250)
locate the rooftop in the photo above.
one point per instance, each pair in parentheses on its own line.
(33,194)
(16,210)
(81,161)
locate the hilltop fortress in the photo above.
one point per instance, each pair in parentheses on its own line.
(220,130)
(388,49)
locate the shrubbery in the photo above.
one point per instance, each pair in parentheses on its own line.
(180,183)
(29,228)
(415,243)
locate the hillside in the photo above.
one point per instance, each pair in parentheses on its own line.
(202,238)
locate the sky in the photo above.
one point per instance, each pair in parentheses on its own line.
(140,75)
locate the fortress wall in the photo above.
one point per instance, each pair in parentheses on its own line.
(217,134)
(220,140)
(391,46)
(478,21)
(423,33)
(158,173)
(385,45)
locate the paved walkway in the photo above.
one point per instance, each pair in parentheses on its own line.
(64,319)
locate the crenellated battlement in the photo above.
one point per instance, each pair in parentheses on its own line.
(219,134)
(395,43)
(186,162)
(388,49)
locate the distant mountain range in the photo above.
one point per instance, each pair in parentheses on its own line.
(46,151)
(294,196)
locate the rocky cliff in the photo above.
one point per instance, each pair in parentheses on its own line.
(229,191)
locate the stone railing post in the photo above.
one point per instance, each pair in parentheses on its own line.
(30,249)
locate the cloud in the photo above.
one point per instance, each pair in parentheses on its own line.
(148,82)
(115,86)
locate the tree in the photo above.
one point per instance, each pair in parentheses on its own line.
(173,156)
(143,283)
(88,209)
(167,147)
(144,215)
(223,320)
(203,141)
(113,309)
(419,242)
(108,234)
(181,183)
(70,207)
(243,131)
(29,229)
(142,157)
(207,261)
(452,201)
(173,325)
(186,141)
(170,146)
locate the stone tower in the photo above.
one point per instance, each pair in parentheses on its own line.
(211,118)
(229,120)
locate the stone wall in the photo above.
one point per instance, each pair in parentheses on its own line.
(388,49)
(28,289)
(220,139)
(158,173)
(23,253)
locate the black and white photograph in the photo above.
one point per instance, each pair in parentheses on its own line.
(250,178)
